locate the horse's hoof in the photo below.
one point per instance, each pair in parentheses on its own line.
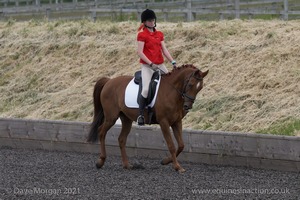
(99,164)
(181,170)
(128,167)
(134,166)
(165,161)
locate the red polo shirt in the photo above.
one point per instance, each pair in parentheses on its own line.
(152,47)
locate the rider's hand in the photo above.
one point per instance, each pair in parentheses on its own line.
(174,64)
(154,66)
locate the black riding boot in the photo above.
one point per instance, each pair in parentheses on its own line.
(142,104)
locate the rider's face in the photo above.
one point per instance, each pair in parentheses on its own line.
(150,22)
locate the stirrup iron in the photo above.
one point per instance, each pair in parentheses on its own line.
(141,120)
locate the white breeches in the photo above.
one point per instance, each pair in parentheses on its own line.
(147,73)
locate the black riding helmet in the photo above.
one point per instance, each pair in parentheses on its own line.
(148,15)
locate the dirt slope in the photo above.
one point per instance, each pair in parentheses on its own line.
(48,69)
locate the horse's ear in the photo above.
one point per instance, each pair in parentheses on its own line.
(205,73)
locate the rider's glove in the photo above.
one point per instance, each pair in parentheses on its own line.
(154,66)
(174,64)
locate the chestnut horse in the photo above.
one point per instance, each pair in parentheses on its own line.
(176,95)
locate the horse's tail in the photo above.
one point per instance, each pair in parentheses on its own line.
(98,110)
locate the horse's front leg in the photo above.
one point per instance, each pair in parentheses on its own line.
(167,135)
(177,131)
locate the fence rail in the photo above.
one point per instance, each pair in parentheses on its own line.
(168,10)
(210,147)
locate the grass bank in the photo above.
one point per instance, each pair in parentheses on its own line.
(48,69)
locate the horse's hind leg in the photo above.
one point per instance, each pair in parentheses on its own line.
(103,131)
(126,127)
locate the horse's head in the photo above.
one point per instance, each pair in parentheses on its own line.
(193,83)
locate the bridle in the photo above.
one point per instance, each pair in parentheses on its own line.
(187,98)
(184,92)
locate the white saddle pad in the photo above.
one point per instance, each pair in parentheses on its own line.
(132,91)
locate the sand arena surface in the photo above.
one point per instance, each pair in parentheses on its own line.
(39,174)
(48,69)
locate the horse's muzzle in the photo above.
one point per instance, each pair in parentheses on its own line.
(187,106)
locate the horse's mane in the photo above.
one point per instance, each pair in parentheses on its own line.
(177,69)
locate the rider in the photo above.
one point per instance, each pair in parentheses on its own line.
(151,48)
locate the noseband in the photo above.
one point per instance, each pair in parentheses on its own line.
(184,92)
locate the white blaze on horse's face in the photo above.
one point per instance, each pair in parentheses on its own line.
(198,85)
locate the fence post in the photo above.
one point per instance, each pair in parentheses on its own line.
(286,10)
(221,15)
(237,9)
(48,10)
(94,16)
(138,15)
(37,2)
(165,14)
(250,16)
(189,13)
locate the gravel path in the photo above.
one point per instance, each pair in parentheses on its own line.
(40,174)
